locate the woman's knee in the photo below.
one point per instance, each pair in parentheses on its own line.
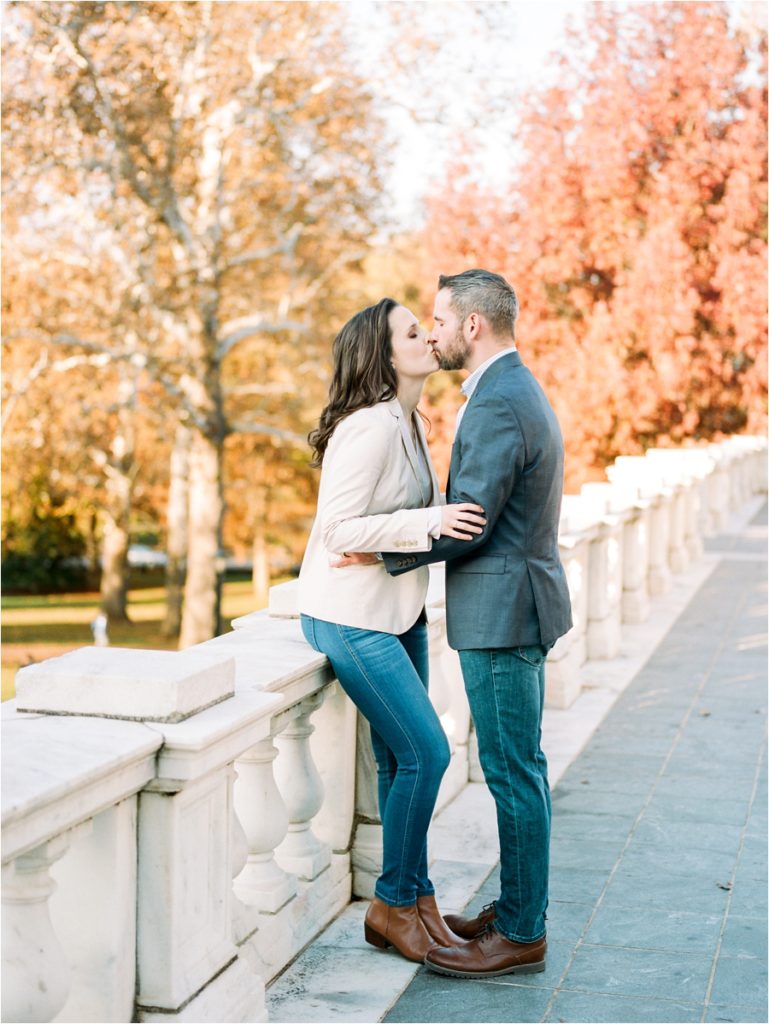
(428,758)
(439,757)
(446,751)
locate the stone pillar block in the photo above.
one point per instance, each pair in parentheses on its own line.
(184,923)
(333,751)
(447,692)
(366,858)
(565,661)
(99,933)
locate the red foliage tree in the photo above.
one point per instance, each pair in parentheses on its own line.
(635,232)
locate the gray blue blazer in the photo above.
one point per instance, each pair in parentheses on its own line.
(506,587)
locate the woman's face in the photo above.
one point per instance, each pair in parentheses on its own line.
(411,355)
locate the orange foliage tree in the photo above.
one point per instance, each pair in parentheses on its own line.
(635,232)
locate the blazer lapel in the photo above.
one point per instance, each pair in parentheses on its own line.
(507,361)
(408,444)
(435,496)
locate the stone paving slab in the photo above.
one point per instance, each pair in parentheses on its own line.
(659,859)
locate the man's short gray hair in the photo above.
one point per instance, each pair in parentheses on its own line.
(481,291)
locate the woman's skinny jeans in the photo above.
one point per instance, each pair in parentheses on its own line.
(386,677)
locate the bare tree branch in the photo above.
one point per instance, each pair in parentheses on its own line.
(248,329)
(141,360)
(243,427)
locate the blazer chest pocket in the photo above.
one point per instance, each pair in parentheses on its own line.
(493,564)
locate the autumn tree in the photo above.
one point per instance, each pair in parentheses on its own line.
(635,231)
(223,151)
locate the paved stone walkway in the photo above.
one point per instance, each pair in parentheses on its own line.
(658,909)
(659,852)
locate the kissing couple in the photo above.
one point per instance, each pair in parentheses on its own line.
(380,522)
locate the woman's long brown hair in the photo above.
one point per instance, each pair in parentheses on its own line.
(363,372)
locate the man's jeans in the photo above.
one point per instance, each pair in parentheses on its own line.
(386,677)
(506,691)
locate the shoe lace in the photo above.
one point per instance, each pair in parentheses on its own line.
(488,907)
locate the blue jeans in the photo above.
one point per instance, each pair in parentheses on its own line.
(506,691)
(386,677)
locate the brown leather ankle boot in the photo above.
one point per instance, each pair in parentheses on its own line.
(401,927)
(437,928)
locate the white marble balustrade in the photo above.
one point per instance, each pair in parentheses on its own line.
(178,826)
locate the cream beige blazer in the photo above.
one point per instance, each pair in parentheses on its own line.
(370,499)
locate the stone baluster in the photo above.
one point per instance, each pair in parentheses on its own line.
(36,972)
(734,464)
(564,663)
(239,839)
(678,554)
(703,464)
(263,816)
(753,451)
(718,489)
(638,471)
(605,590)
(622,499)
(745,465)
(760,465)
(297,778)
(659,544)
(692,533)
(664,468)
(684,468)
(99,933)
(635,565)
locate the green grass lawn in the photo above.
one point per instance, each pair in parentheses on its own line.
(43,626)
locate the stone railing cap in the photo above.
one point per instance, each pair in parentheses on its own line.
(135,685)
(61,770)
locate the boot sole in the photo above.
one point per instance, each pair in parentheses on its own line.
(534,968)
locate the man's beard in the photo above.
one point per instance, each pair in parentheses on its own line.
(456,353)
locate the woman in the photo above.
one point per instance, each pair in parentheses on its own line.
(378,492)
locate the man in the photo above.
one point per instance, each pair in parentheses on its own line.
(507,602)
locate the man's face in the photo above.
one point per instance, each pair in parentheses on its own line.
(447,336)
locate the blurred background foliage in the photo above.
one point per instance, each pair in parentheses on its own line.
(198,195)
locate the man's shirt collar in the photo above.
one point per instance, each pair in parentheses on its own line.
(471,383)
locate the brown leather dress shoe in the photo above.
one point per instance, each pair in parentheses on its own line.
(488,956)
(401,927)
(435,924)
(471,927)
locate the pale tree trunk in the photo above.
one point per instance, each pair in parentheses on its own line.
(92,551)
(261,567)
(114,548)
(119,471)
(200,615)
(177,539)
(260,555)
